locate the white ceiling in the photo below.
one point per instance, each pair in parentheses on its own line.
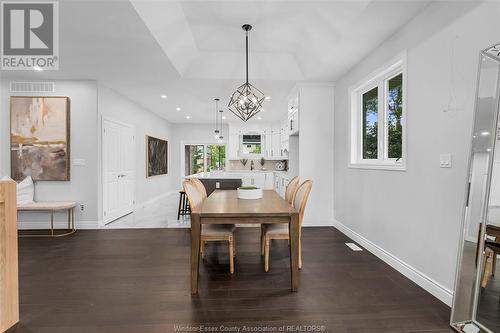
(193,51)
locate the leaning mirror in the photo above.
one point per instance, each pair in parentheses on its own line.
(476,302)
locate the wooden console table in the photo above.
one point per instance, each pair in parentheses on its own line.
(9,285)
(51,208)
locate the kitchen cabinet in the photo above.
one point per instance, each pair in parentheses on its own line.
(294,113)
(241,142)
(264,180)
(233,146)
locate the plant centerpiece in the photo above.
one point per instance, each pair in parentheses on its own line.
(249,192)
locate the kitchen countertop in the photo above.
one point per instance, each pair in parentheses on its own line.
(232,174)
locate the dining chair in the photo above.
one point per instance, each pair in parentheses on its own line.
(201,188)
(289,195)
(281,231)
(291,189)
(210,232)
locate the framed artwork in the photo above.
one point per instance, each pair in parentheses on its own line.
(39,138)
(156,156)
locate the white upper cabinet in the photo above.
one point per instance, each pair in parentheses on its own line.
(294,114)
(255,141)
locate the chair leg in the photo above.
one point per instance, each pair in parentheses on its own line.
(234,246)
(300,252)
(262,242)
(494,266)
(231,256)
(486,269)
(181,203)
(266,254)
(202,250)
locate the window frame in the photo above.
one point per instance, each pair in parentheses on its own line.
(205,158)
(379,79)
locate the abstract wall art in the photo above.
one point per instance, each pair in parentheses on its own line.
(156,156)
(39,138)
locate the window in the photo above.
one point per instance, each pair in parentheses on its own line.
(204,157)
(378,120)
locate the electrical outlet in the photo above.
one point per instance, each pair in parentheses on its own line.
(82,207)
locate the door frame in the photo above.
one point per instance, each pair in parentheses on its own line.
(104,119)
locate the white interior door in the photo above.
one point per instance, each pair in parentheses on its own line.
(118,149)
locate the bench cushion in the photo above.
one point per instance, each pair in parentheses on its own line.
(47,205)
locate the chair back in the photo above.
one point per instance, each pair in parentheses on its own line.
(301,197)
(201,188)
(291,189)
(194,196)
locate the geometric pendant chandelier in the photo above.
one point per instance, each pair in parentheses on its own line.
(247,100)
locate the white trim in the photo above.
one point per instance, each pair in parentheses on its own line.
(316,223)
(143,204)
(377,79)
(439,291)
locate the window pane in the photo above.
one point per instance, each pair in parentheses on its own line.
(394,114)
(216,157)
(370,123)
(193,159)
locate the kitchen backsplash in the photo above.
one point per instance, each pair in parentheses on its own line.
(237,165)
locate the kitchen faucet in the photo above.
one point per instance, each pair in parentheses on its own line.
(251,166)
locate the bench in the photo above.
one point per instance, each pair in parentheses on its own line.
(51,207)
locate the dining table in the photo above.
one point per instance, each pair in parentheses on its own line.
(224,207)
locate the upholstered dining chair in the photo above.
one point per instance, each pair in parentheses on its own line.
(210,232)
(289,195)
(281,231)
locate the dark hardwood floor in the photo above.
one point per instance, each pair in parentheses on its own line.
(138,281)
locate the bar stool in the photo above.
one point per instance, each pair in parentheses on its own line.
(184,208)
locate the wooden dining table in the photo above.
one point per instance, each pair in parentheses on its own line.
(224,207)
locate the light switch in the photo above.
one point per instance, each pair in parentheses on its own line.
(445,160)
(79,161)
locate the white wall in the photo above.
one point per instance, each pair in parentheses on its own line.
(117,107)
(189,133)
(316,151)
(415,216)
(83,142)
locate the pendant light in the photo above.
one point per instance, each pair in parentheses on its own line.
(247,100)
(221,137)
(216,131)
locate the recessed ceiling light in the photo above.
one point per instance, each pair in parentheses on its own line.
(259,118)
(262,110)
(223,117)
(163,96)
(485,133)
(37,68)
(177,109)
(188,117)
(268,97)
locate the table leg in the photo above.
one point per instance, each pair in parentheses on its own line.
(195,251)
(69,219)
(294,250)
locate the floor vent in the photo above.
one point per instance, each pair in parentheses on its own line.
(354,247)
(32,87)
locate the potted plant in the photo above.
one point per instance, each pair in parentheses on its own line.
(249,192)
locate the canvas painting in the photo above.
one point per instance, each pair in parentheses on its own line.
(39,138)
(157,156)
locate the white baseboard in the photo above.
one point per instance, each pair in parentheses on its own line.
(439,291)
(316,223)
(35,225)
(153,200)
